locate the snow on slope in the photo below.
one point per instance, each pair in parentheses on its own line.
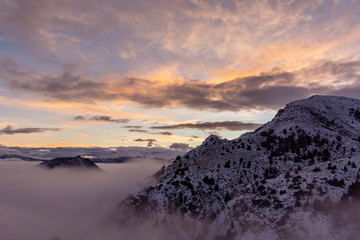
(265,181)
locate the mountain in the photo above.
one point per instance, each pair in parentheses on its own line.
(128,154)
(286,180)
(13,153)
(97,154)
(24,158)
(70,162)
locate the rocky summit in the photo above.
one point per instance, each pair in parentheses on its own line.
(296,177)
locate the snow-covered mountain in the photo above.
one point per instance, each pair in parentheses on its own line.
(70,162)
(286,180)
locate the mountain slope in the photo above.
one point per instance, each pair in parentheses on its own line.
(307,157)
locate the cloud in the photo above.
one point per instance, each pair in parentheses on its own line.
(340,69)
(150,141)
(225,125)
(66,86)
(146,131)
(138,130)
(233,95)
(66,24)
(270,89)
(58,201)
(9,130)
(100,119)
(182,146)
(163,133)
(241,38)
(144,140)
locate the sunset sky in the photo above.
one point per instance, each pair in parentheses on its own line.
(133,72)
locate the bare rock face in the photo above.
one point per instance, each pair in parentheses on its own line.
(70,162)
(282,180)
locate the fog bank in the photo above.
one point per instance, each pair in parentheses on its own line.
(38,203)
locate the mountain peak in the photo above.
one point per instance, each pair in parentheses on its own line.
(329,114)
(211,138)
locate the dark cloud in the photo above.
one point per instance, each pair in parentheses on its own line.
(163,133)
(353,92)
(67,86)
(100,119)
(182,146)
(10,69)
(267,90)
(339,69)
(225,125)
(272,96)
(144,140)
(150,141)
(34,197)
(9,130)
(138,130)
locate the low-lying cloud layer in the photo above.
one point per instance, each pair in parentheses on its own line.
(65,204)
(40,204)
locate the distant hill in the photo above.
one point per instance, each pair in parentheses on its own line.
(70,162)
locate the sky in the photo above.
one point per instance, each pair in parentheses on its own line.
(153,73)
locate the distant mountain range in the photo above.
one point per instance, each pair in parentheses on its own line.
(286,180)
(98,155)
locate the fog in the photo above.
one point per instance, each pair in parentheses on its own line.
(64,204)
